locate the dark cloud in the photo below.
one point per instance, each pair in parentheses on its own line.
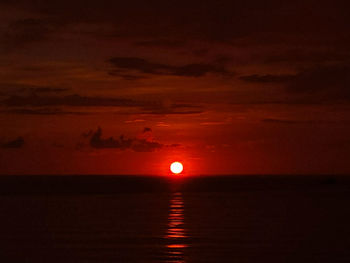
(200,52)
(146,129)
(13,144)
(267,78)
(57,145)
(302,56)
(42,111)
(175,145)
(329,82)
(49,90)
(310,121)
(140,144)
(198,70)
(26,30)
(146,67)
(223,21)
(176,108)
(125,76)
(146,146)
(170,111)
(87,134)
(98,142)
(323,83)
(161,43)
(279,121)
(70,100)
(21,89)
(32,90)
(138,64)
(42,105)
(209,20)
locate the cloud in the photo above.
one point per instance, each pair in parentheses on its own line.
(87,134)
(322,83)
(98,142)
(209,21)
(332,81)
(146,67)
(309,56)
(138,64)
(171,109)
(70,100)
(143,143)
(48,105)
(161,43)
(280,121)
(269,78)
(42,105)
(146,129)
(146,146)
(310,121)
(42,111)
(25,30)
(198,70)
(16,89)
(213,123)
(125,76)
(13,144)
(49,90)
(57,145)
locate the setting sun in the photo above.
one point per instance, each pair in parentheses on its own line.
(176,167)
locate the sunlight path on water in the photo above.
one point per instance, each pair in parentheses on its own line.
(176,233)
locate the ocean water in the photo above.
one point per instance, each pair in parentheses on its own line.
(150,219)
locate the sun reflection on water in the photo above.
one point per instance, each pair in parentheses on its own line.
(176,233)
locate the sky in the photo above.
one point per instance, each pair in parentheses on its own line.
(127,87)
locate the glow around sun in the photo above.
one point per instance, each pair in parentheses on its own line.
(176,167)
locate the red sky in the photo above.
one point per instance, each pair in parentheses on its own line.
(104,87)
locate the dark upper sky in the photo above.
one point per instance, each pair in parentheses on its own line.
(127,87)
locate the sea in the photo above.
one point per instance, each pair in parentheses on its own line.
(247,218)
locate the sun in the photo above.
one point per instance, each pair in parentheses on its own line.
(176,167)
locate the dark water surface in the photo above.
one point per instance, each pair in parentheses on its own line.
(148,219)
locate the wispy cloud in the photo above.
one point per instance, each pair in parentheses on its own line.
(13,144)
(24,31)
(125,64)
(47,105)
(316,84)
(331,81)
(42,111)
(71,100)
(280,121)
(269,78)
